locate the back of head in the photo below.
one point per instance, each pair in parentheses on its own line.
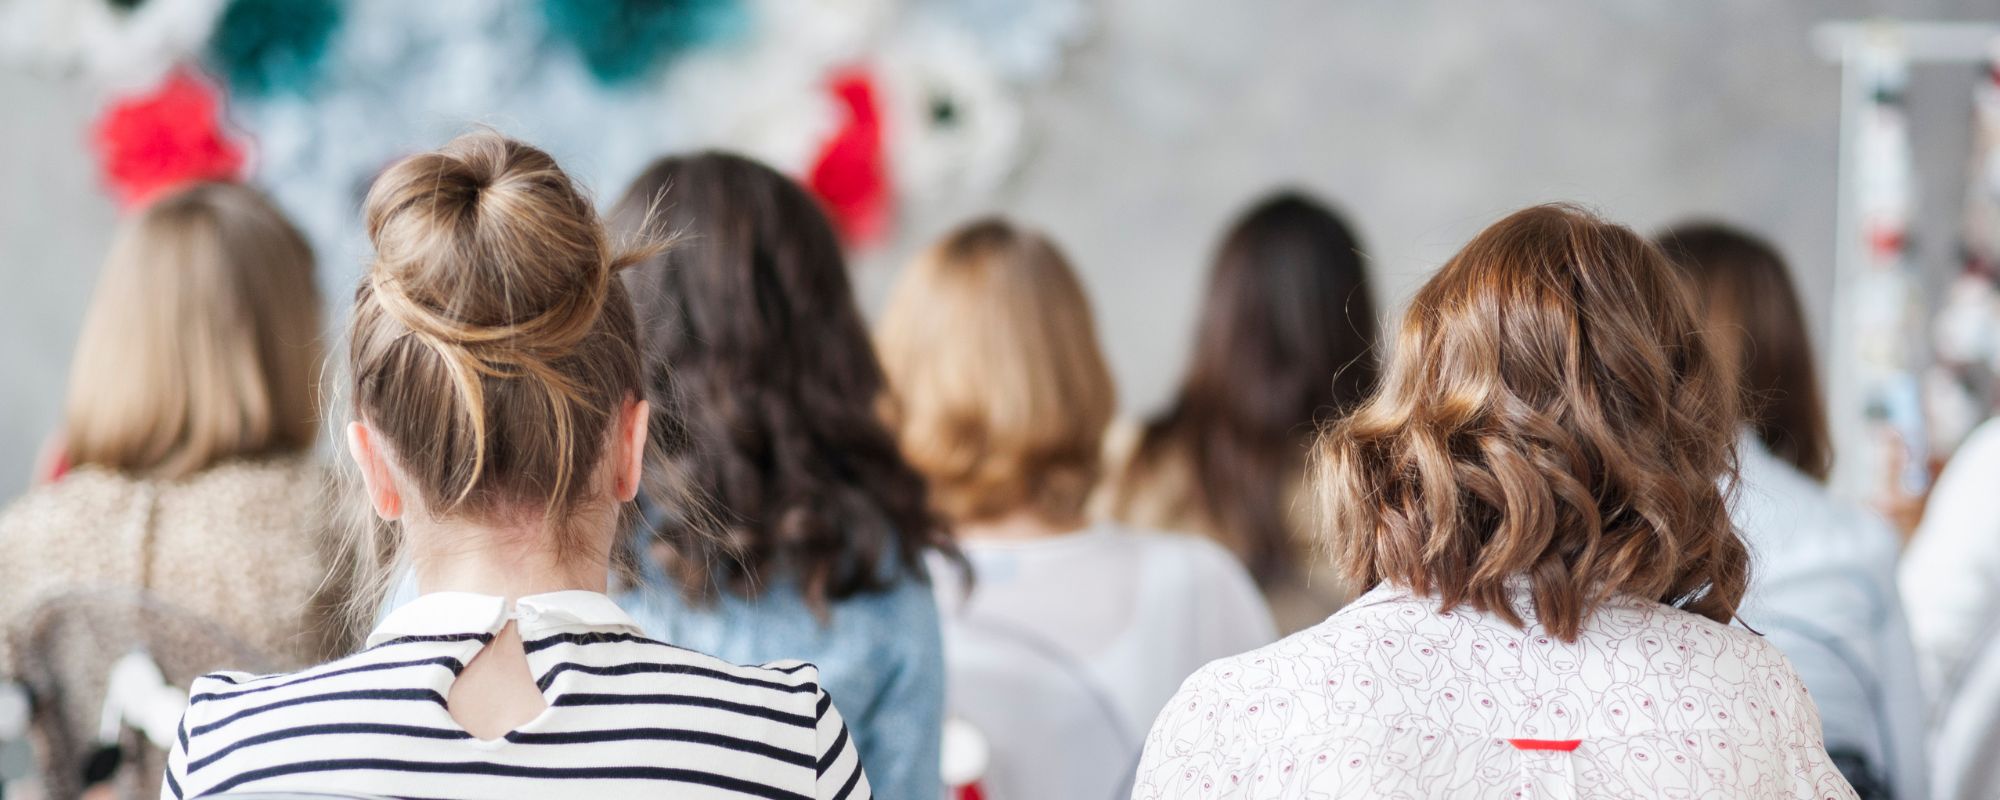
(1001,394)
(1758,328)
(490,345)
(202,340)
(1552,413)
(1287,334)
(752,333)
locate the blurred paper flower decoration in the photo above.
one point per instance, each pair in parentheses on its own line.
(266,47)
(121,45)
(1024,40)
(817,34)
(851,175)
(151,143)
(622,40)
(951,126)
(758,101)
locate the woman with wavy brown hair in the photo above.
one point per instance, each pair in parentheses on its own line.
(1534,499)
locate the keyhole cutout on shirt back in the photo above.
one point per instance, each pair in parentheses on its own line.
(496,693)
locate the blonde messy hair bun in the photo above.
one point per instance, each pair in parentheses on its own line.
(490,345)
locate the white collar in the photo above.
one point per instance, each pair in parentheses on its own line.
(453,613)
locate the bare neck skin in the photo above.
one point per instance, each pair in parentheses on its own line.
(496,693)
(1019,526)
(509,560)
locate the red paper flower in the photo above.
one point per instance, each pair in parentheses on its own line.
(852,174)
(150,143)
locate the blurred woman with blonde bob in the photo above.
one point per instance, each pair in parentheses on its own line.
(1001,399)
(192,410)
(1534,500)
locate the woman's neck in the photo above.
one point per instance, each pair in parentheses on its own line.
(1018,526)
(503,560)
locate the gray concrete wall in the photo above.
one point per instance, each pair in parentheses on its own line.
(1424,119)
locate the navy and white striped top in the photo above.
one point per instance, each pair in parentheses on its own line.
(626,717)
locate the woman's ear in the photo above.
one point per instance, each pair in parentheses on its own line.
(369,455)
(631,449)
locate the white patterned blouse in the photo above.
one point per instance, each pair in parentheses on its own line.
(1391,698)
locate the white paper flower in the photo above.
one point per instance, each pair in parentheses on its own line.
(1024,40)
(117,50)
(950,126)
(761,100)
(825,33)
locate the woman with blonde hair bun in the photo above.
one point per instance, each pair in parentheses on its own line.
(1534,501)
(1000,398)
(499,424)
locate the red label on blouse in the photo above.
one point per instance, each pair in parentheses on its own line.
(1558,745)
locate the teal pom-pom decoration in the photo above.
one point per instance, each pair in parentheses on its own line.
(622,40)
(266,47)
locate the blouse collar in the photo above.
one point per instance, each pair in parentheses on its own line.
(455,613)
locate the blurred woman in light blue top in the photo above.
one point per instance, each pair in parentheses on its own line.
(818,531)
(1823,586)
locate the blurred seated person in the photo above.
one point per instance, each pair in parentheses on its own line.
(1824,572)
(1534,503)
(185,475)
(759,363)
(1286,340)
(1000,397)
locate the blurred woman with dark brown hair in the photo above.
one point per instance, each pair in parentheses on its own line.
(1535,502)
(765,387)
(1825,587)
(1286,338)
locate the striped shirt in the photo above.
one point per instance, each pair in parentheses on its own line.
(626,717)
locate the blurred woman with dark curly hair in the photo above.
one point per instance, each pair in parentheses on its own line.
(1535,502)
(766,384)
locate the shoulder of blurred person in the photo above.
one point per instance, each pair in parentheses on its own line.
(1229,613)
(1951,570)
(1179,597)
(244,543)
(1793,525)
(1162,499)
(878,653)
(1824,590)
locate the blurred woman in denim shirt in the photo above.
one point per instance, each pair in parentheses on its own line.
(752,335)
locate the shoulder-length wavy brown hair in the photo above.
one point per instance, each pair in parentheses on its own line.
(764,385)
(1551,412)
(1758,327)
